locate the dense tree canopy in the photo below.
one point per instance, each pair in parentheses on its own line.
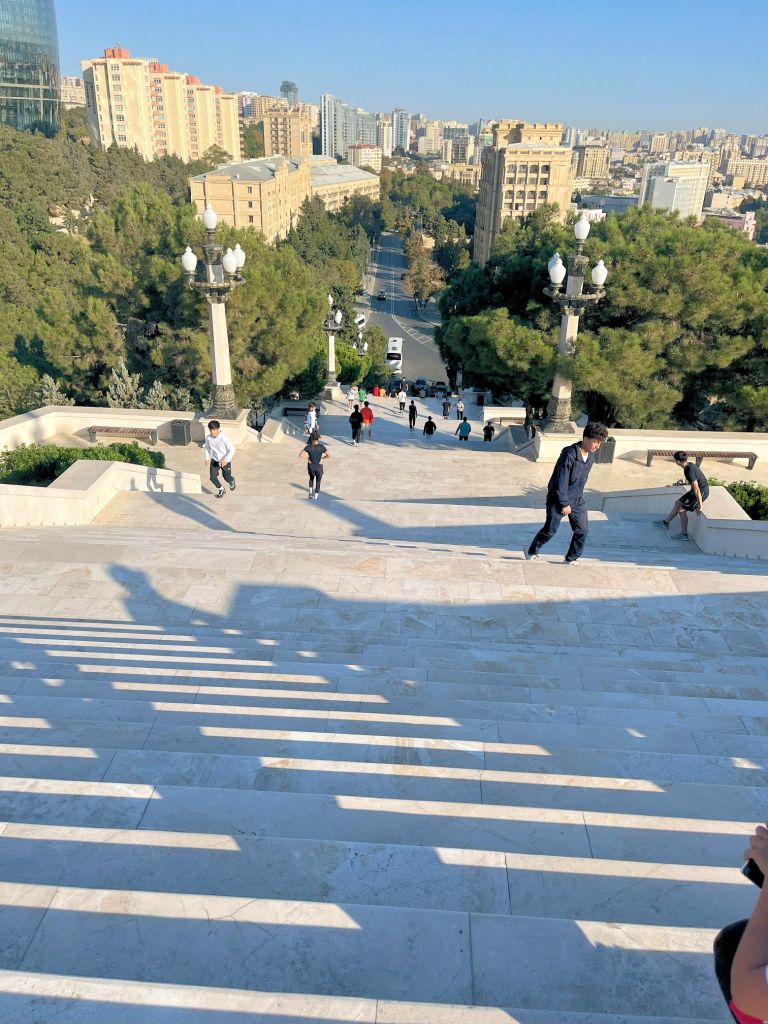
(681,335)
(108,290)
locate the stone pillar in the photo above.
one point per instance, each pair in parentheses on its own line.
(330,369)
(222,392)
(559,408)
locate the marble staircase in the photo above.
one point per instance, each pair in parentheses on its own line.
(373,773)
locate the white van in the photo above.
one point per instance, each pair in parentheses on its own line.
(395,354)
(360,321)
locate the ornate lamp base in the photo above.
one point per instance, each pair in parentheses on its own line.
(223,403)
(558,419)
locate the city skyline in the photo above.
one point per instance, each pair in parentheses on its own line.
(518,63)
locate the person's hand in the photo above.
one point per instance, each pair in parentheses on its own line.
(758,849)
(566,510)
(224,464)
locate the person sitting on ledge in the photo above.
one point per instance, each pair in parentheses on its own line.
(691,501)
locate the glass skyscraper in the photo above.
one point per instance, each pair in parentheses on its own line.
(29,65)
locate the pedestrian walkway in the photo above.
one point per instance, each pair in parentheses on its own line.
(271,760)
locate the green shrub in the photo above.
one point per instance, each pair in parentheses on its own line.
(38,465)
(753,498)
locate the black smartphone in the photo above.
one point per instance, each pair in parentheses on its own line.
(753,873)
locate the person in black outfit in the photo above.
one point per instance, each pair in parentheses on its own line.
(488,431)
(356,423)
(412,415)
(691,501)
(429,427)
(565,493)
(528,424)
(315,454)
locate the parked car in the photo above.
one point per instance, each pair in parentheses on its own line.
(381,295)
(420,388)
(438,389)
(360,321)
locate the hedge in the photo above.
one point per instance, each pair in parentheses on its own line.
(38,465)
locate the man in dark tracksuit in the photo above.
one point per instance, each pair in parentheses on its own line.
(565,493)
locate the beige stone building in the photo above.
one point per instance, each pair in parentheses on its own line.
(266,194)
(263,194)
(752,172)
(133,102)
(71,92)
(287,133)
(591,162)
(524,168)
(364,154)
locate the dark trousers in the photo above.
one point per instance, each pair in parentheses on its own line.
(226,472)
(459,414)
(579,524)
(357,433)
(315,476)
(411,420)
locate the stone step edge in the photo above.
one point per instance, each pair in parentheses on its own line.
(47,993)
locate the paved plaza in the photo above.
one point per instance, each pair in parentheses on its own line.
(273,760)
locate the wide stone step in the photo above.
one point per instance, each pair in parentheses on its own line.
(426,877)
(70,999)
(360,951)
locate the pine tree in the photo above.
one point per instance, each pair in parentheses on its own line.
(49,392)
(123,389)
(156,397)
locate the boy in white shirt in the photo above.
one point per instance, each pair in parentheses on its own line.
(219,452)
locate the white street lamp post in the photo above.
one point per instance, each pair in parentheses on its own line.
(333,324)
(222,275)
(572,302)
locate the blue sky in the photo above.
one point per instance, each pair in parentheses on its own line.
(651,63)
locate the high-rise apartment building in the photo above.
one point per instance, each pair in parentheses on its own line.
(342,125)
(72,92)
(525,168)
(260,105)
(591,161)
(384,137)
(430,140)
(754,172)
(401,129)
(674,185)
(29,66)
(289,91)
(138,102)
(363,154)
(287,133)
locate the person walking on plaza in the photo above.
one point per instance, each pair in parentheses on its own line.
(565,493)
(315,454)
(361,394)
(446,407)
(351,397)
(367,413)
(356,423)
(429,427)
(691,501)
(488,431)
(459,407)
(401,397)
(310,421)
(412,410)
(464,429)
(219,452)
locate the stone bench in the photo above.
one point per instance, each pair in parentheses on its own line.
(146,434)
(699,456)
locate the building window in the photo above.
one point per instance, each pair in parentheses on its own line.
(250,220)
(120,117)
(545,168)
(250,205)
(542,194)
(250,190)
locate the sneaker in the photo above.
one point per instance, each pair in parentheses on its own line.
(680,536)
(220,493)
(316,495)
(232,486)
(311,494)
(662,523)
(529,557)
(569,561)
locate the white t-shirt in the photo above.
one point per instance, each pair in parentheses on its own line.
(401,396)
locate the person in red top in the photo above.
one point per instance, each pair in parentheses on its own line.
(367,414)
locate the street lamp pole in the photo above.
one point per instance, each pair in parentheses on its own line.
(572,302)
(333,324)
(221,276)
